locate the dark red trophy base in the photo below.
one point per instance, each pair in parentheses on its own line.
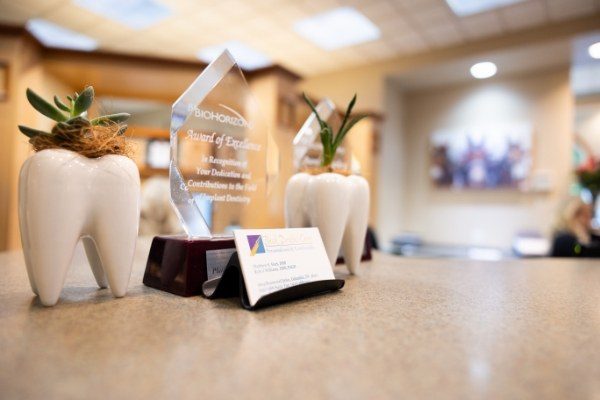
(178,264)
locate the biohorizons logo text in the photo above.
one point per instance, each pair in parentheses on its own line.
(234,120)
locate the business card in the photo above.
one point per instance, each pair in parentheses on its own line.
(275,259)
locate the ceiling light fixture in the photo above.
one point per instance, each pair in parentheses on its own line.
(340,27)
(136,14)
(483,70)
(52,35)
(247,57)
(462,8)
(594,50)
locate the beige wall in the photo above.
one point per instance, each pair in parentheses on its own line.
(488,217)
(266,91)
(391,167)
(362,141)
(9,54)
(25,70)
(587,124)
(22,57)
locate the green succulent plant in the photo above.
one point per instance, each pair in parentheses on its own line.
(330,141)
(70,116)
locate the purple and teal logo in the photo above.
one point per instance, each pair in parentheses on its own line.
(256,244)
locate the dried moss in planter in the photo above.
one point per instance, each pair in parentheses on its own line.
(73,131)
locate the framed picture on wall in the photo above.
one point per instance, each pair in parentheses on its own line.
(481,157)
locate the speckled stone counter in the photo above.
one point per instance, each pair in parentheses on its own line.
(404,328)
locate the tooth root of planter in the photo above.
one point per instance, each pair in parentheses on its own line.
(49,266)
(93,257)
(115,254)
(337,205)
(356,228)
(22,224)
(65,197)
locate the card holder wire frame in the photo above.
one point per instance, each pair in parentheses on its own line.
(231,284)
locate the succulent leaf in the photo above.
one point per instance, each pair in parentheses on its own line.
(44,107)
(329,142)
(328,149)
(347,114)
(79,119)
(30,132)
(83,101)
(322,124)
(106,119)
(354,121)
(342,133)
(61,105)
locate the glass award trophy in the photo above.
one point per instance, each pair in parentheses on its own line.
(218,175)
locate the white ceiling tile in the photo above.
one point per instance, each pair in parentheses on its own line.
(432,16)
(563,9)
(481,25)
(443,35)
(318,6)
(36,7)
(393,27)
(408,41)
(376,49)
(259,26)
(524,15)
(418,5)
(287,14)
(233,10)
(378,10)
(349,56)
(182,6)
(70,17)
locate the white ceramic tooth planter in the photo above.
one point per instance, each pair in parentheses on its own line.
(65,197)
(336,204)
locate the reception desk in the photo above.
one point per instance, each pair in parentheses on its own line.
(424,328)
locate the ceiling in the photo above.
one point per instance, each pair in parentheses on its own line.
(407,27)
(510,61)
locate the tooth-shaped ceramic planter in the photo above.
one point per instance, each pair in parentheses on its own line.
(336,204)
(65,197)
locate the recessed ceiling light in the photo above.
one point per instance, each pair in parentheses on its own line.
(594,50)
(341,27)
(483,70)
(463,8)
(136,14)
(52,35)
(246,57)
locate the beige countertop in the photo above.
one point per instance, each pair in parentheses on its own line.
(402,328)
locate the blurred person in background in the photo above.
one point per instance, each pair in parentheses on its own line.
(573,235)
